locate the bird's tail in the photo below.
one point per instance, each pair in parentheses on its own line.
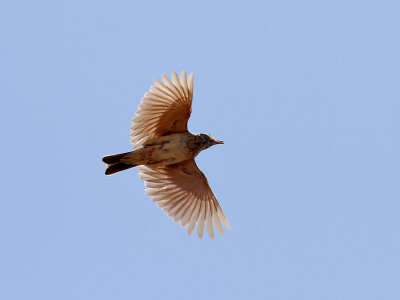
(120,162)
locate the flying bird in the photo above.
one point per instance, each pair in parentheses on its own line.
(164,154)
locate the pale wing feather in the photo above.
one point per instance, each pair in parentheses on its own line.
(200,221)
(182,212)
(223,218)
(183,193)
(209,219)
(190,83)
(217,223)
(178,85)
(184,84)
(189,213)
(193,219)
(171,87)
(162,90)
(165,108)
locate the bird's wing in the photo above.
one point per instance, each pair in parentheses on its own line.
(165,109)
(182,191)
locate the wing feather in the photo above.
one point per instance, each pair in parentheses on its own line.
(184,84)
(217,222)
(209,225)
(182,191)
(164,109)
(200,220)
(189,213)
(193,220)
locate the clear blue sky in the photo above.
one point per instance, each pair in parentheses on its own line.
(306,95)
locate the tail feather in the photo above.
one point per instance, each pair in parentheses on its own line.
(118,167)
(120,162)
(113,159)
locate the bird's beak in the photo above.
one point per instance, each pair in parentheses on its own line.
(219,142)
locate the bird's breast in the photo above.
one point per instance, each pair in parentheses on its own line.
(167,150)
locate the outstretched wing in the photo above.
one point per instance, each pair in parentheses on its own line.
(165,109)
(182,191)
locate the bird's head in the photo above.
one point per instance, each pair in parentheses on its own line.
(205,140)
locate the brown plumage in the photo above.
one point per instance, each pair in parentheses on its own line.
(165,152)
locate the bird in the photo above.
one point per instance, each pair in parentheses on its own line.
(164,153)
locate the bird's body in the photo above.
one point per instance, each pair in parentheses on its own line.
(170,149)
(162,151)
(165,152)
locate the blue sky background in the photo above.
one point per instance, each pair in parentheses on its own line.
(306,96)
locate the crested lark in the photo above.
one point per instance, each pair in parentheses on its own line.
(165,152)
